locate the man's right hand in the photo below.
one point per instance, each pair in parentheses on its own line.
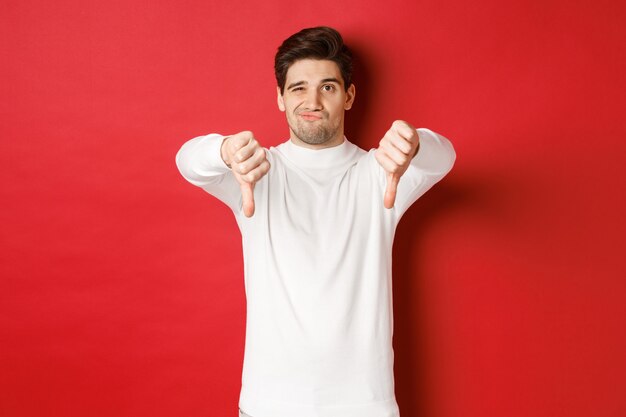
(247,159)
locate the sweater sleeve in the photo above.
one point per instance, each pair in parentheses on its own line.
(199,161)
(432,162)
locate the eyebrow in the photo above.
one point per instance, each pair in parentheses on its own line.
(292,85)
(325,80)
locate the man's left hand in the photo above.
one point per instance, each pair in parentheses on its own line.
(394,154)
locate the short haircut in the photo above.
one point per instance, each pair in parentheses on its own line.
(320,42)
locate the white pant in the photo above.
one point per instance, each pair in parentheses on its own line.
(242,414)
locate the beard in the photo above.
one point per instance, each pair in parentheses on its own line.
(312,133)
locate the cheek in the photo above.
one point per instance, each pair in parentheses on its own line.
(291,105)
(336,109)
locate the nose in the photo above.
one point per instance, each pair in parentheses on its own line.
(313,101)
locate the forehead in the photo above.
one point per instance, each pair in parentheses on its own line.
(312,70)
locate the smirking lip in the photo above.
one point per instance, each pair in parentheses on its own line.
(310,116)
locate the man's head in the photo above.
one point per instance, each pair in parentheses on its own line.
(313,43)
(314,76)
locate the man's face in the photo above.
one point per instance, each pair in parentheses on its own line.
(315,100)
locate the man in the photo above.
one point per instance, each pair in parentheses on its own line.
(317,216)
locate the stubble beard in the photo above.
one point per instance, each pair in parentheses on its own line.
(314,133)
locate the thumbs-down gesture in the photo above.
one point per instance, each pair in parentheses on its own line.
(248,162)
(396,149)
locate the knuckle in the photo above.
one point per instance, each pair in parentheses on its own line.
(243,138)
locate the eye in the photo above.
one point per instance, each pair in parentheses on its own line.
(328,87)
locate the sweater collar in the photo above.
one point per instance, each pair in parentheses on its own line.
(318,158)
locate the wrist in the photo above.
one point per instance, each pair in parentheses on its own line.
(224,154)
(417,149)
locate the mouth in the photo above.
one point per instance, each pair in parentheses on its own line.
(310,116)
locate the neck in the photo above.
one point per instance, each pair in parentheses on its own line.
(328,144)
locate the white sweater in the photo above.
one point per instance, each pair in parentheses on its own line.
(317,270)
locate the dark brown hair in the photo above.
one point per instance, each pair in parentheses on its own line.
(320,42)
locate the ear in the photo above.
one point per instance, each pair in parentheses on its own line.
(279,99)
(350,94)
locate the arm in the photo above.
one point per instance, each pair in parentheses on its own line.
(225,167)
(413,160)
(435,158)
(199,162)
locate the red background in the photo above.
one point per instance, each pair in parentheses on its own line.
(121,289)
